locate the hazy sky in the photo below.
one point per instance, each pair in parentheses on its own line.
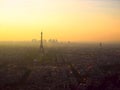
(72,20)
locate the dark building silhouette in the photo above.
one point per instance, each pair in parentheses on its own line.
(41,45)
(100,44)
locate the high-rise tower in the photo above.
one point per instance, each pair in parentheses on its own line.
(100,45)
(41,44)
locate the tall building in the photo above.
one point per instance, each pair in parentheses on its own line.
(41,45)
(100,45)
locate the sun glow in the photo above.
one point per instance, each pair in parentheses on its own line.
(76,20)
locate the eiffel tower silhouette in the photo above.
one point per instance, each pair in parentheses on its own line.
(41,45)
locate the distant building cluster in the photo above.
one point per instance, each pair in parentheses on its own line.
(46,41)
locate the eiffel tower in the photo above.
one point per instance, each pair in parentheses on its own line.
(41,45)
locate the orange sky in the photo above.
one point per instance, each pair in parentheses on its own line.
(65,20)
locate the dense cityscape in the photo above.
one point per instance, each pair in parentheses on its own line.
(62,67)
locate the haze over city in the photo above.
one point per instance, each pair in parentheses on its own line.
(74,20)
(59,44)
